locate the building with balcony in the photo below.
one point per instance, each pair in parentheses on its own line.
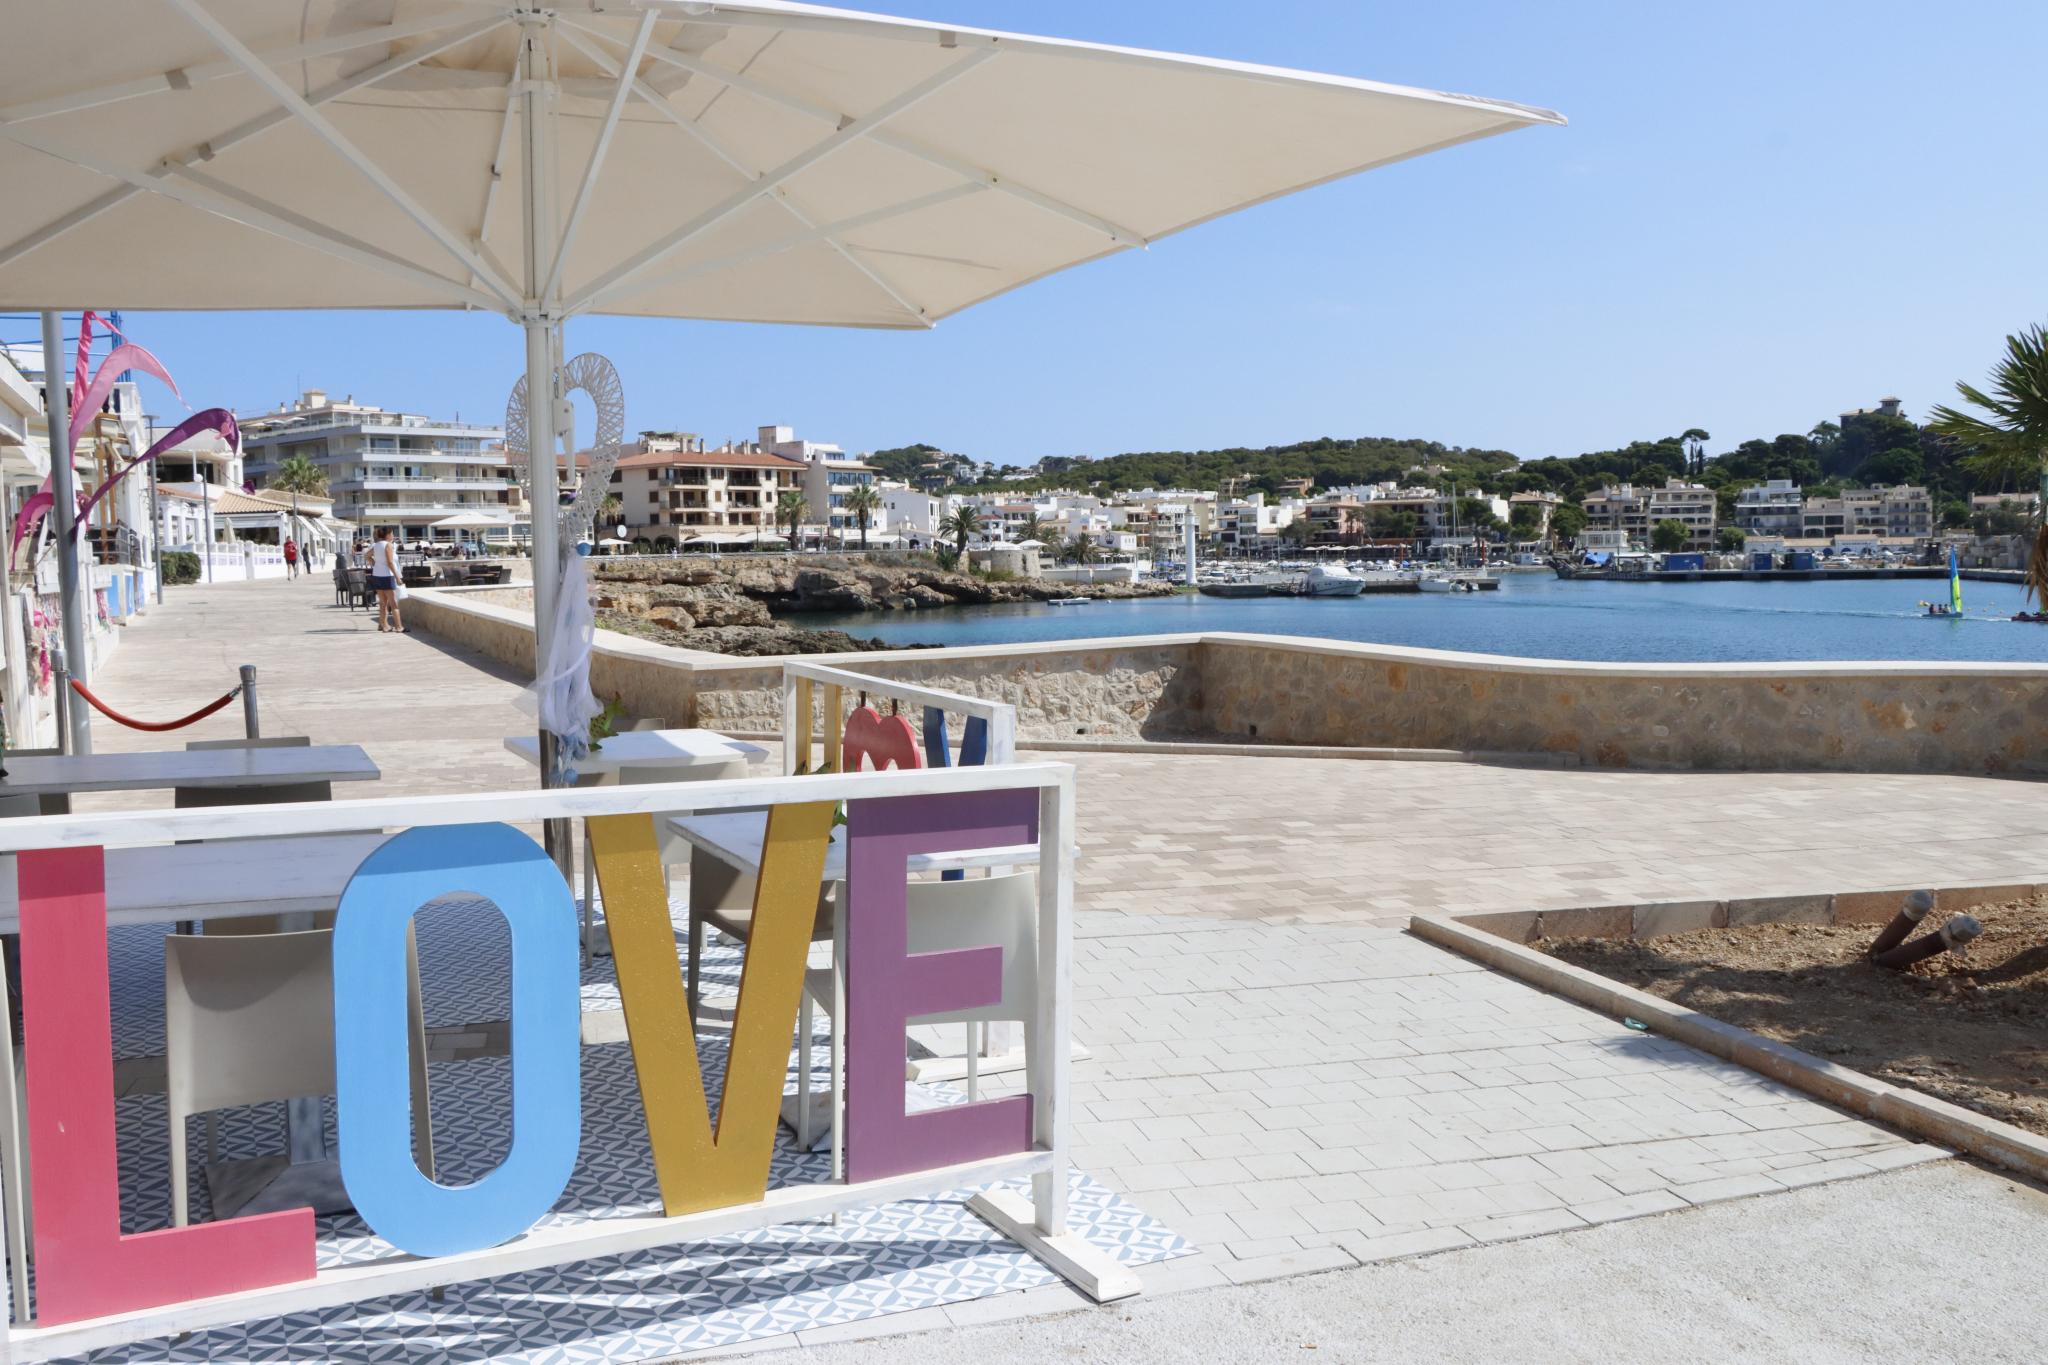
(1636,512)
(673,488)
(390,469)
(829,475)
(1901,510)
(1774,508)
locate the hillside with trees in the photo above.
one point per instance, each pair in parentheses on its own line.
(1866,449)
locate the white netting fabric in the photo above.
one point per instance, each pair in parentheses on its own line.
(560,696)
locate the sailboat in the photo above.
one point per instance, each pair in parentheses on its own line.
(1953,608)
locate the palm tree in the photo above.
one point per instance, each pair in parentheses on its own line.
(1354,524)
(298,475)
(608,510)
(1031,528)
(863,501)
(2011,440)
(962,524)
(790,510)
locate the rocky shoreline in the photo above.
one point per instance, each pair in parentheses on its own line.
(731,608)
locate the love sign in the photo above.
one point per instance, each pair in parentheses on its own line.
(86,1268)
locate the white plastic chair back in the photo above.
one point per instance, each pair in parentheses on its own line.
(248,1018)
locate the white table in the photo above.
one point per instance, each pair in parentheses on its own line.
(648,749)
(735,838)
(220,879)
(60,774)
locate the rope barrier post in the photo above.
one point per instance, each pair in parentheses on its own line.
(252,725)
(60,691)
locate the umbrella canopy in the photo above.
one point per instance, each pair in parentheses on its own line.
(759,162)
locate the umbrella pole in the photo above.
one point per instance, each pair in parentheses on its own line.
(543,328)
(64,523)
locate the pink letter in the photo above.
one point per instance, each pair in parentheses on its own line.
(886,987)
(85,1268)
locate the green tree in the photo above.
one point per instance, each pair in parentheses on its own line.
(790,510)
(296,475)
(2008,440)
(961,524)
(1667,536)
(1031,528)
(863,501)
(608,512)
(1525,520)
(1566,521)
(1695,442)
(1730,539)
(1900,464)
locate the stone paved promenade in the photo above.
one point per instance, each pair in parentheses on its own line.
(1277,1071)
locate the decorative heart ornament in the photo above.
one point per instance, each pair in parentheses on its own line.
(599,378)
(884,741)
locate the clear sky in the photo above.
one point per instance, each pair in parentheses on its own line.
(1761,214)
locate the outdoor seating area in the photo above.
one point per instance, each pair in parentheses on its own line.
(239,985)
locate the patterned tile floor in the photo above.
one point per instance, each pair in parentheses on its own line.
(903,1257)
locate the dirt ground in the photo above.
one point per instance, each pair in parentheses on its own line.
(1971,1029)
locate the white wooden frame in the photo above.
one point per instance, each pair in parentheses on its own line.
(1039,1223)
(1001,716)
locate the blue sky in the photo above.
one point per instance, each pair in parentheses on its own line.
(1761,214)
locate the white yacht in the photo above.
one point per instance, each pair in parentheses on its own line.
(1332,580)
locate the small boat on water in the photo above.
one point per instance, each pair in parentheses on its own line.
(1953,608)
(1070,601)
(1234,588)
(1441,582)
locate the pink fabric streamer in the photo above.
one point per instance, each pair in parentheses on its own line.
(84,356)
(127,356)
(212,419)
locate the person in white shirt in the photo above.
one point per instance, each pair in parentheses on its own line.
(384,580)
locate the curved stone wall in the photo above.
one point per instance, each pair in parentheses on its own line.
(1857,717)
(1860,717)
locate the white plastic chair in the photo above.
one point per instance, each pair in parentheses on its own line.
(999,912)
(249,1019)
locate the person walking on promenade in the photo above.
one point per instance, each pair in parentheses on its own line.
(384,580)
(291,558)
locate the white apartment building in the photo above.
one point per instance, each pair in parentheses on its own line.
(392,469)
(829,475)
(1250,523)
(1774,508)
(1637,511)
(910,513)
(672,489)
(1895,511)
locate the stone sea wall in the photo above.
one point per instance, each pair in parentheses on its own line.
(1853,717)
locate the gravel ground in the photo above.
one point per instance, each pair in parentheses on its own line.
(1970,1028)
(1937,1263)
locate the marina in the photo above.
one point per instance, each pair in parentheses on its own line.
(1540,616)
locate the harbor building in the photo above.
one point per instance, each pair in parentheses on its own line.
(1902,510)
(394,469)
(829,475)
(673,489)
(1773,508)
(1637,511)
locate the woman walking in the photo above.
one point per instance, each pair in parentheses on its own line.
(291,558)
(384,580)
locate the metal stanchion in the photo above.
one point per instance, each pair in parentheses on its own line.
(60,679)
(252,725)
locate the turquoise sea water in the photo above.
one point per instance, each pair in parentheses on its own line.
(1539,616)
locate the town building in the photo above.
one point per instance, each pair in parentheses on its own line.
(1773,508)
(1636,512)
(1902,510)
(673,489)
(392,469)
(829,475)
(910,513)
(1545,505)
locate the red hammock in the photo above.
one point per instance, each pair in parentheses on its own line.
(111,714)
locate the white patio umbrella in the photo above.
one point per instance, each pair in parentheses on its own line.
(760,161)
